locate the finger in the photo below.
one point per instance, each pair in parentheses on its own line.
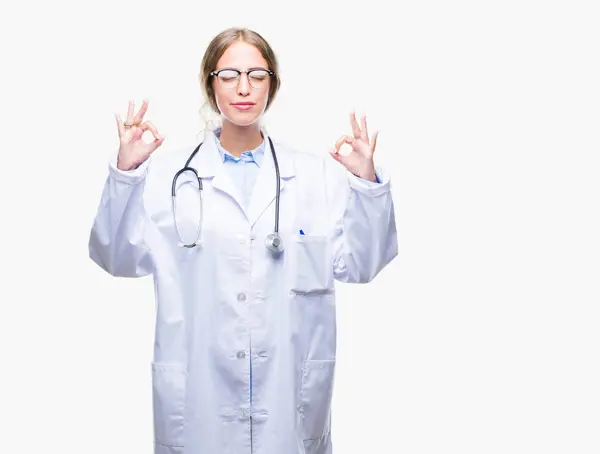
(365,132)
(130,112)
(120,127)
(374,141)
(140,114)
(344,138)
(355,128)
(148,126)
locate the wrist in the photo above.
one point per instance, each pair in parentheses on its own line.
(368,174)
(124,165)
(372,178)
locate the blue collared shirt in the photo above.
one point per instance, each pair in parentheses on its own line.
(243,170)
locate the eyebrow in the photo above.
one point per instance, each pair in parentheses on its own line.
(249,69)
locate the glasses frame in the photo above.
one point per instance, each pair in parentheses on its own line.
(217,72)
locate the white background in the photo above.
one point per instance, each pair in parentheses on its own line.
(481,337)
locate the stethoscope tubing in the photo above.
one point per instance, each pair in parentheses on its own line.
(187,168)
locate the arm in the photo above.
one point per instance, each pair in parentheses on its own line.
(364,236)
(117,239)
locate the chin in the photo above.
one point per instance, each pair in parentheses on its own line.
(245,121)
(241,118)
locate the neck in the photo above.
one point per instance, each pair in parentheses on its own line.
(237,139)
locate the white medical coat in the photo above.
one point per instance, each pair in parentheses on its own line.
(230,300)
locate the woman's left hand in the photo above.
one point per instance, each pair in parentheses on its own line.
(360,160)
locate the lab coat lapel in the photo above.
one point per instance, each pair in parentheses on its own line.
(223,182)
(265,187)
(210,164)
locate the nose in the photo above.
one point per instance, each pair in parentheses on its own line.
(243,87)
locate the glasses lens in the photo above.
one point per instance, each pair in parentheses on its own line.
(228,78)
(258,78)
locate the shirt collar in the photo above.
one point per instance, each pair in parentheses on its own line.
(208,161)
(254,155)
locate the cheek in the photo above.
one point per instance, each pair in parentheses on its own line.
(262,100)
(221,99)
(219,102)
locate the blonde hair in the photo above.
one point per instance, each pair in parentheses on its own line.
(213,53)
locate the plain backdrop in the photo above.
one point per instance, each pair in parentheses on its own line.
(480,337)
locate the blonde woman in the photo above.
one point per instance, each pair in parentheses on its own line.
(244,260)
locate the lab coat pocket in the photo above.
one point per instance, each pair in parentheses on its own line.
(311,267)
(168,393)
(316,398)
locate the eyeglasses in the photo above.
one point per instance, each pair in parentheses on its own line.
(229,78)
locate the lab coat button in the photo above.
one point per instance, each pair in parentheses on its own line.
(252,236)
(241,297)
(241,354)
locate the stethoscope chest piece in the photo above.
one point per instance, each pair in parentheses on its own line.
(274,243)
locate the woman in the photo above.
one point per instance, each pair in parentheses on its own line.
(245,340)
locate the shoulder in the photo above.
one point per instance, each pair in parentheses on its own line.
(294,151)
(303,160)
(164,163)
(173,152)
(171,156)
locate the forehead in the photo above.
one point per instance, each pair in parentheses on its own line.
(241,55)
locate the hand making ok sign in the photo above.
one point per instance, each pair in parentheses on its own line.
(133,150)
(360,160)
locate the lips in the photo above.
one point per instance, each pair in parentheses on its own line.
(243,105)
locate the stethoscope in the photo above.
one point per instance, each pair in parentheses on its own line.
(273,240)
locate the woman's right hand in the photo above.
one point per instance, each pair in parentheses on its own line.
(133,151)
